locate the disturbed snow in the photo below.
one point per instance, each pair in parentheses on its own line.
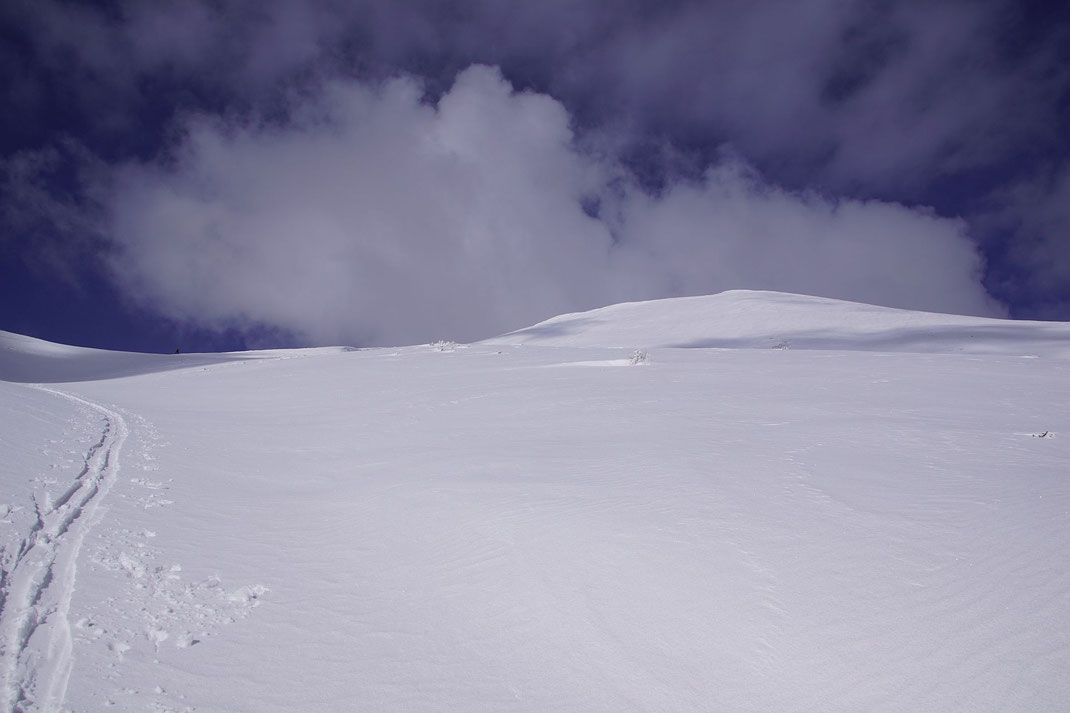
(872,516)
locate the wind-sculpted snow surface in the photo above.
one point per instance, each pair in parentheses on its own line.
(532,528)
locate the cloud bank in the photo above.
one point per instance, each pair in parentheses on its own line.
(374,215)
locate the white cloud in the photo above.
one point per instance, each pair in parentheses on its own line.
(732,230)
(375,217)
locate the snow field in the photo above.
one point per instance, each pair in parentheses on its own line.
(496,528)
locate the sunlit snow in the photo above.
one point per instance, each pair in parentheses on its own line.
(743,502)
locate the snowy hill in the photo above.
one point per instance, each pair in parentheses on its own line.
(27,359)
(845,524)
(756,320)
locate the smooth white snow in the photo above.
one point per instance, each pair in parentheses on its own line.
(27,359)
(754,319)
(860,528)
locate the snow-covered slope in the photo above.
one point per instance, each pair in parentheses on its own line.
(27,359)
(493,528)
(752,319)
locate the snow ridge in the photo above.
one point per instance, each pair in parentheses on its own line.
(37,583)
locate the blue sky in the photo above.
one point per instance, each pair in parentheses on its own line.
(215,175)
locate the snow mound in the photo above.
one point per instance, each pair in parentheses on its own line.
(27,359)
(746,319)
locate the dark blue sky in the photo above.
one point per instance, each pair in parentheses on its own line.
(219,175)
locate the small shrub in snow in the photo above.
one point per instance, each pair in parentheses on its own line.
(639,357)
(443,345)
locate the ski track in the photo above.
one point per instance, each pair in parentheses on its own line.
(36,589)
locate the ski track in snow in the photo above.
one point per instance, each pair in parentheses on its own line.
(37,586)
